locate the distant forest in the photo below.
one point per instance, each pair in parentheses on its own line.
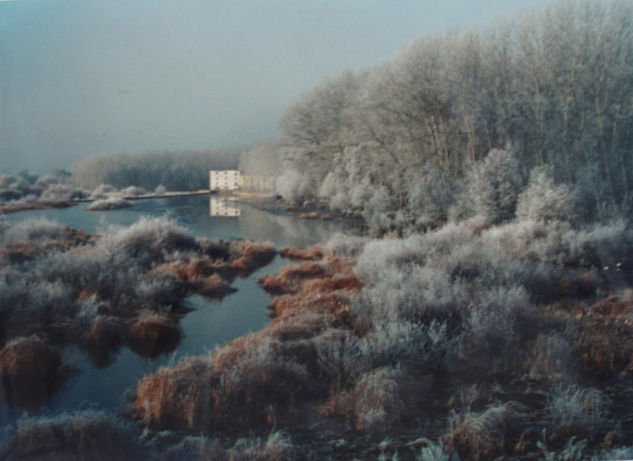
(175,170)
(477,123)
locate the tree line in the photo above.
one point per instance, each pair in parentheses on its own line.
(554,88)
(175,170)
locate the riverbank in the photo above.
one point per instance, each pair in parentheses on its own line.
(15,207)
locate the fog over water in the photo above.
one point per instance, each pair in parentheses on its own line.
(80,78)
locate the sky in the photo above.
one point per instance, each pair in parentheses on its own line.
(86,77)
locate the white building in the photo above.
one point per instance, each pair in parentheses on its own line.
(224,180)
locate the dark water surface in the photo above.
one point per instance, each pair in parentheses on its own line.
(210,323)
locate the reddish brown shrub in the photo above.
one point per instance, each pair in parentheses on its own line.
(550,359)
(213,287)
(259,377)
(177,398)
(256,254)
(484,435)
(248,382)
(334,305)
(605,338)
(105,332)
(104,338)
(289,278)
(335,283)
(580,286)
(312,253)
(188,270)
(16,253)
(153,334)
(339,404)
(31,371)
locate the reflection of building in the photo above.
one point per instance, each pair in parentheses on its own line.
(219,206)
(224,179)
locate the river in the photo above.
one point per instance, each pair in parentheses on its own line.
(209,323)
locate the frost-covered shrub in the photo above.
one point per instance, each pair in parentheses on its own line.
(82,435)
(434,451)
(617,453)
(492,187)
(493,318)
(551,359)
(32,230)
(103,191)
(573,406)
(395,341)
(277,447)
(377,399)
(345,245)
(110,203)
(543,200)
(430,195)
(133,191)
(61,192)
(149,240)
(48,180)
(293,186)
(340,356)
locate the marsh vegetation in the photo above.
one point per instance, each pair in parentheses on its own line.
(485,313)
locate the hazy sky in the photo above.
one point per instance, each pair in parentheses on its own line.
(81,77)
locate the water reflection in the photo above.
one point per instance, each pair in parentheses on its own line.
(223,206)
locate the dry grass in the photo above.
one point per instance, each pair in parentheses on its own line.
(484,435)
(312,253)
(550,359)
(605,338)
(289,278)
(153,334)
(30,370)
(336,306)
(104,338)
(248,382)
(88,435)
(179,397)
(214,287)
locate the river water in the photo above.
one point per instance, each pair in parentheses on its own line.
(210,323)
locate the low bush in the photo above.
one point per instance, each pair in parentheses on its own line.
(31,371)
(110,203)
(484,435)
(74,436)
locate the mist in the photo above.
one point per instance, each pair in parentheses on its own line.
(80,78)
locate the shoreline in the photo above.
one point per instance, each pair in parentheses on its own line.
(15,207)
